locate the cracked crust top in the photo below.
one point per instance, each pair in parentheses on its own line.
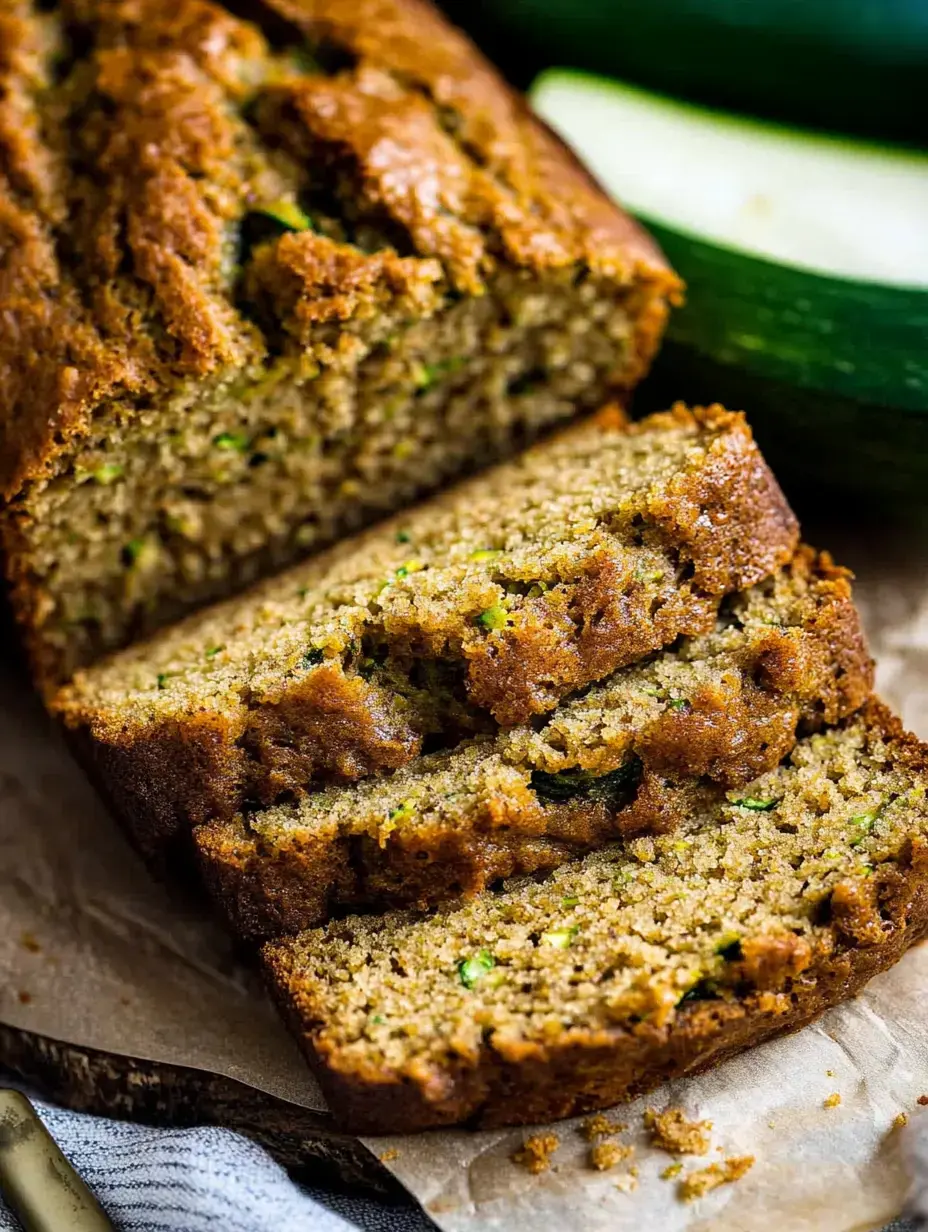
(135,136)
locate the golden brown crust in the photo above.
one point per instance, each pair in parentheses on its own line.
(727,521)
(524,1083)
(730,734)
(139,167)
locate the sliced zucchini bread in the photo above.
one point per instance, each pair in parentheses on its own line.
(262,283)
(787,654)
(479,608)
(655,957)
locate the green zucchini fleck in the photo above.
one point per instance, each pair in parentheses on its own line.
(312,658)
(288,214)
(472,970)
(560,938)
(759,804)
(569,784)
(132,551)
(495,617)
(235,441)
(428,375)
(730,949)
(108,473)
(863,823)
(702,990)
(212,651)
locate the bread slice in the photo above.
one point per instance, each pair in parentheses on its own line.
(725,705)
(264,284)
(482,607)
(647,960)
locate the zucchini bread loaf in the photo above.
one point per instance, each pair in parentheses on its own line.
(653,958)
(482,607)
(261,283)
(725,706)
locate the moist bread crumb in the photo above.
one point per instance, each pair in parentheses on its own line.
(745,924)
(671,1131)
(624,758)
(479,608)
(698,1184)
(605,1155)
(536,1152)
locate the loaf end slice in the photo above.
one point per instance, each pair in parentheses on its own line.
(478,609)
(786,656)
(653,958)
(264,282)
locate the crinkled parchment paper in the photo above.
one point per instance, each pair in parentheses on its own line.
(94,953)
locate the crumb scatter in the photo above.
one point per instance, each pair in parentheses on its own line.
(672,1132)
(671,1171)
(697,1184)
(900,1121)
(628,1182)
(832,1101)
(535,1153)
(605,1155)
(388,1156)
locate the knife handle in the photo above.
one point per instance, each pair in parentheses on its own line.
(38,1184)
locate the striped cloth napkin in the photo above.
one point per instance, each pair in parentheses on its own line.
(202,1180)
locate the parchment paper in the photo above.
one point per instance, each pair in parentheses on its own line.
(96,954)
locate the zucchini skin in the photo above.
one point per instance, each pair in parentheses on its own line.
(862,340)
(832,373)
(854,66)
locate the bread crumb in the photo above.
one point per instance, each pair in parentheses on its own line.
(672,1132)
(923,1100)
(28,942)
(606,1155)
(671,1171)
(629,1182)
(829,1073)
(535,1153)
(832,1101)
(706,1179)
(900,1120)
(389,1156)
(771,1124)
(24,997)
(600,1126)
